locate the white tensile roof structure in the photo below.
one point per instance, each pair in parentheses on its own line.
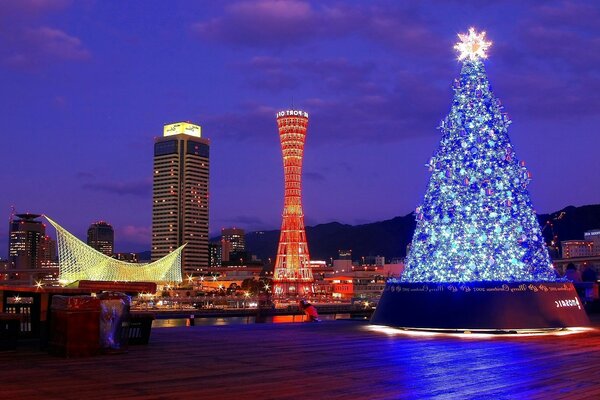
(78,261)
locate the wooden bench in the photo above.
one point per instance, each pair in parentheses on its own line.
(10,325)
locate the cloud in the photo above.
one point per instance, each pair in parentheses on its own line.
(550,70)
(570,13)
(139,188)
(548,95)
(29,7)
(57,43)
(268,73)
(251,120)
(259,23)
(85,175)
(314,176)
(27,43)
(60,102)
(35,47)
(276,74)
(403,29)
(410,107)
(355,100)
(281,23)
(545,66)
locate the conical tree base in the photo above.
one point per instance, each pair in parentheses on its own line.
(489,306)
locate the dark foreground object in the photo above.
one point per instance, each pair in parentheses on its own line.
(491,306)
(9,331)
(140,326)
(75,326)
(343,360)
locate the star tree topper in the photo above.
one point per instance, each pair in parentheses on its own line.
(472,46)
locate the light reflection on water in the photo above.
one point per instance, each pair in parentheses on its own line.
(276,319)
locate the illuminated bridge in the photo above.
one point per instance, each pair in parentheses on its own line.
(78,261)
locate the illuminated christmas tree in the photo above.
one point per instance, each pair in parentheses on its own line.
(476,222)
(478,260)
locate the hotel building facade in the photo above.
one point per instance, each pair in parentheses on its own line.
(180,195)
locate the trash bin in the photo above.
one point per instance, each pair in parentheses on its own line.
(74,326)
(114,321)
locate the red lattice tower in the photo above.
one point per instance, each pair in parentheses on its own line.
(292,275)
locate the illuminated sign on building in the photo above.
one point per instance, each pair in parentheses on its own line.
(184,128)
(292,113)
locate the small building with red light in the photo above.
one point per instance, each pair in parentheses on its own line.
(358,285)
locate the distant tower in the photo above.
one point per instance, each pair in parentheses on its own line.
(180,195)
(101,236)
(292,275)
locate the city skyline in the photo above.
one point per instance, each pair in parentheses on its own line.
(375,78)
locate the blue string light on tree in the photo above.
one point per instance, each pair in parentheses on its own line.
(476,222)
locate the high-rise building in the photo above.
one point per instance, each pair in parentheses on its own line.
(233,240)
(215,250)
(292,275)
(101,236)
(28,245)
(180,195)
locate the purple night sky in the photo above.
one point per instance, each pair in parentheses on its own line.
(87,85)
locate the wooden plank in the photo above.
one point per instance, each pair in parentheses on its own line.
(331,360)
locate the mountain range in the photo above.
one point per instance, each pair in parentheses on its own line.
(389,238)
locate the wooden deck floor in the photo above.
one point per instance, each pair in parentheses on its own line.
(330,360)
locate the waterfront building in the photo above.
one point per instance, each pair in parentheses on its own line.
(180,195)
(292,275)
(373,260)
(594,237)
(577,248)
(344,265)
(101,236)
(358,285)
